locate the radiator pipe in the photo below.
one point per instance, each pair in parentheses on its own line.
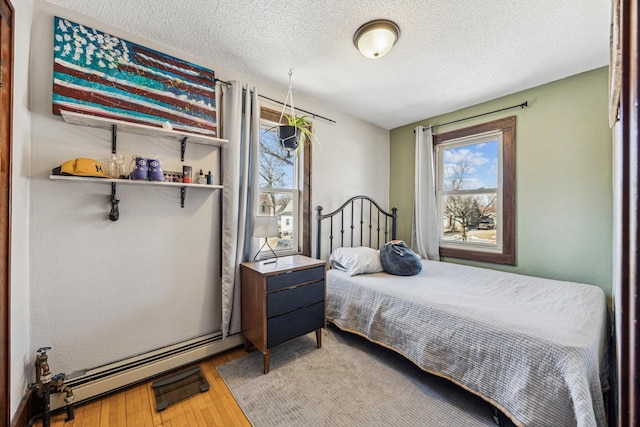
(69,398)
(43,384)
(46,384)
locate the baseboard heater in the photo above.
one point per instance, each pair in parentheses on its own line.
(104,379)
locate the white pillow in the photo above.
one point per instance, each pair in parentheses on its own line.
(360,260)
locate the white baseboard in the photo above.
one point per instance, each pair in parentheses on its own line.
(107,378)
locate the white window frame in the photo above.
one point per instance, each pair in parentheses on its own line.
(295,232)
(507,198)
(295,192)
(441,193)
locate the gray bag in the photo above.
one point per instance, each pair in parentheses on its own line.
(397,258)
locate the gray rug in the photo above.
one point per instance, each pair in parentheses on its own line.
(347,382)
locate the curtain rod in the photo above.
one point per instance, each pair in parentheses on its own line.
(313,115)
(524,104)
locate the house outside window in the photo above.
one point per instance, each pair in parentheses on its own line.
(475,192)
(282,190)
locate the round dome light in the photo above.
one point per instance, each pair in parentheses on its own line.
(376,38)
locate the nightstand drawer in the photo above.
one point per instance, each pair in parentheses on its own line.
(291,325)
(290,299)
(280,281)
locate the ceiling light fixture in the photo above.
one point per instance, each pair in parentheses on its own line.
(376,38)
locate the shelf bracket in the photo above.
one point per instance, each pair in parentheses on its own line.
(114,135)
(183,146)
(183,194)
(115,211)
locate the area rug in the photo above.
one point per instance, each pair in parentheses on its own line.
(347,382)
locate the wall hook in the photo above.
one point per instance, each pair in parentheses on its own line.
(114,215)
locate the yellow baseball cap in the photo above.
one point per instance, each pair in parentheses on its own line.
(80,167)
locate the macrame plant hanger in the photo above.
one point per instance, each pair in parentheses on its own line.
(288,139)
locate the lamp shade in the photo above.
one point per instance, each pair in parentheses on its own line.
(265,226)
(376,38)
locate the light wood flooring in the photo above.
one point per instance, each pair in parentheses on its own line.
(135,406)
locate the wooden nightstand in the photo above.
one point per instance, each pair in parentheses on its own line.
(282,301)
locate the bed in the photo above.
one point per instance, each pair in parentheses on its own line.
(534,348)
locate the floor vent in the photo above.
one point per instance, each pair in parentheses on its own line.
(179,386)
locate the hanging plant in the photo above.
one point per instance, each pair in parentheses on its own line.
(295,133)
(289,137)
(298,128)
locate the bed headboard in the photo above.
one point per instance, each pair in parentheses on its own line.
(360,222)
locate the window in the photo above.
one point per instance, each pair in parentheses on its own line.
(475,192)
(284,188)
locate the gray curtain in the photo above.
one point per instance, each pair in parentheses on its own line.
(241,126)
(615,63)
(424,231)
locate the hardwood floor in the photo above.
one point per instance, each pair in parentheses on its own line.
(135,406)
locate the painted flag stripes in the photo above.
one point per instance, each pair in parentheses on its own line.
(98,74)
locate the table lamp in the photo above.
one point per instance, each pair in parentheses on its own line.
(266,226)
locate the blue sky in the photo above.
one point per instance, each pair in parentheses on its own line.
(270,139)
(482,164)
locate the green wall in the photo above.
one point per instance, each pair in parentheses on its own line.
(563,172)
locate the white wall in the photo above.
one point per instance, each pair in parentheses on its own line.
(20,352)
(102,290)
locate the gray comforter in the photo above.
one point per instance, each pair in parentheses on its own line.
(533,347)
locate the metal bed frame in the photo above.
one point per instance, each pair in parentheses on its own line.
(383,221)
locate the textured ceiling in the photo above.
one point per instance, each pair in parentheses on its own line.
(451,54)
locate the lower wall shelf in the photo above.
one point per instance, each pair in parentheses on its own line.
(114,214)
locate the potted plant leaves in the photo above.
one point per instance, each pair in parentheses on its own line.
(295,132)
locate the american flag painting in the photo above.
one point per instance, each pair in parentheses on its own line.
(101,75)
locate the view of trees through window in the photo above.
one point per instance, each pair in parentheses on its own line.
(278,186)
(469,192)
(476,191)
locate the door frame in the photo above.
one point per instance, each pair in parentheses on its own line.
(6,124)
(627,300)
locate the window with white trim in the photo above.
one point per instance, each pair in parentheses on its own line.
(282,190)
(475,192)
